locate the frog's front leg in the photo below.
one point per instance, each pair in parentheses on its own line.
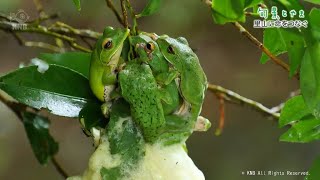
(167,77)
(109,80)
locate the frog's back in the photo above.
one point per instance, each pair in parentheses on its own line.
(193,80)
(139,89)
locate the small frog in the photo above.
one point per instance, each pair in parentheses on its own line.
(191,77)
(149,53)
(104,61)
(178,126)
(139,89)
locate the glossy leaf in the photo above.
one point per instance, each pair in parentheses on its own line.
(60,90)
(151,8)
(304,131)
(42,143)
(293,110)
(310,78)
(279,40)
(224,11)
(314,172)
(77,3)
(272,41)
(314,19)
(77,61)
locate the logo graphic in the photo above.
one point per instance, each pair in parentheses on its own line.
(21,16)
(273,20)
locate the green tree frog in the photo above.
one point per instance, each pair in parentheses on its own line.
(191,77)
(104,61)
(139,89)
(149,52)
(178,126)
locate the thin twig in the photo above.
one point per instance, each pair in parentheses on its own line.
(124,13)
(116,13)
(255,41)
(11,27)
(15,107)
(222,114)
(37,44)
(135,29)
(44,18)
(39,7)
(231,96)
(279,107)
(59,168)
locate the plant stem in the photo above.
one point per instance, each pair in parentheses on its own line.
(116,13)
(231,96)
(124,13)
(255,41)
(134,18)
(11,27)
(58,167)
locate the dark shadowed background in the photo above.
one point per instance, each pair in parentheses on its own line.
(249,141)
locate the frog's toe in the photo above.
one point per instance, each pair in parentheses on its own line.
(202,124)
(105,108)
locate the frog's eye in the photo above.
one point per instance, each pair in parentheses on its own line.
(107,43)
(170,50)
(149,47)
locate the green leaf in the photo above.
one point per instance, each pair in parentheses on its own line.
(313,1)
(314,172)
(60,90)
(42,143)
(77,3)
(151,8)
(293,110)
(310,78)
(314,19)
(279,40)
(224,11)
(77,61)
(304,131)
(272,41)
(91,116)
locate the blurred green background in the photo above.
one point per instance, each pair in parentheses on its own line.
(249,141)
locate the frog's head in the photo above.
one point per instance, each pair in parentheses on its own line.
(109,46)
(144,46)
(175,50)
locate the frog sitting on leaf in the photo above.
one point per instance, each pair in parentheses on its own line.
(104,62)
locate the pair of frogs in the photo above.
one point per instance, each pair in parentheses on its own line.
(163,82)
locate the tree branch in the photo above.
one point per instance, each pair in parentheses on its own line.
(59,168)
(255,41)
(115,12)
(260,45)
(37,44)
(231,96)
(125,13)
(16,27)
